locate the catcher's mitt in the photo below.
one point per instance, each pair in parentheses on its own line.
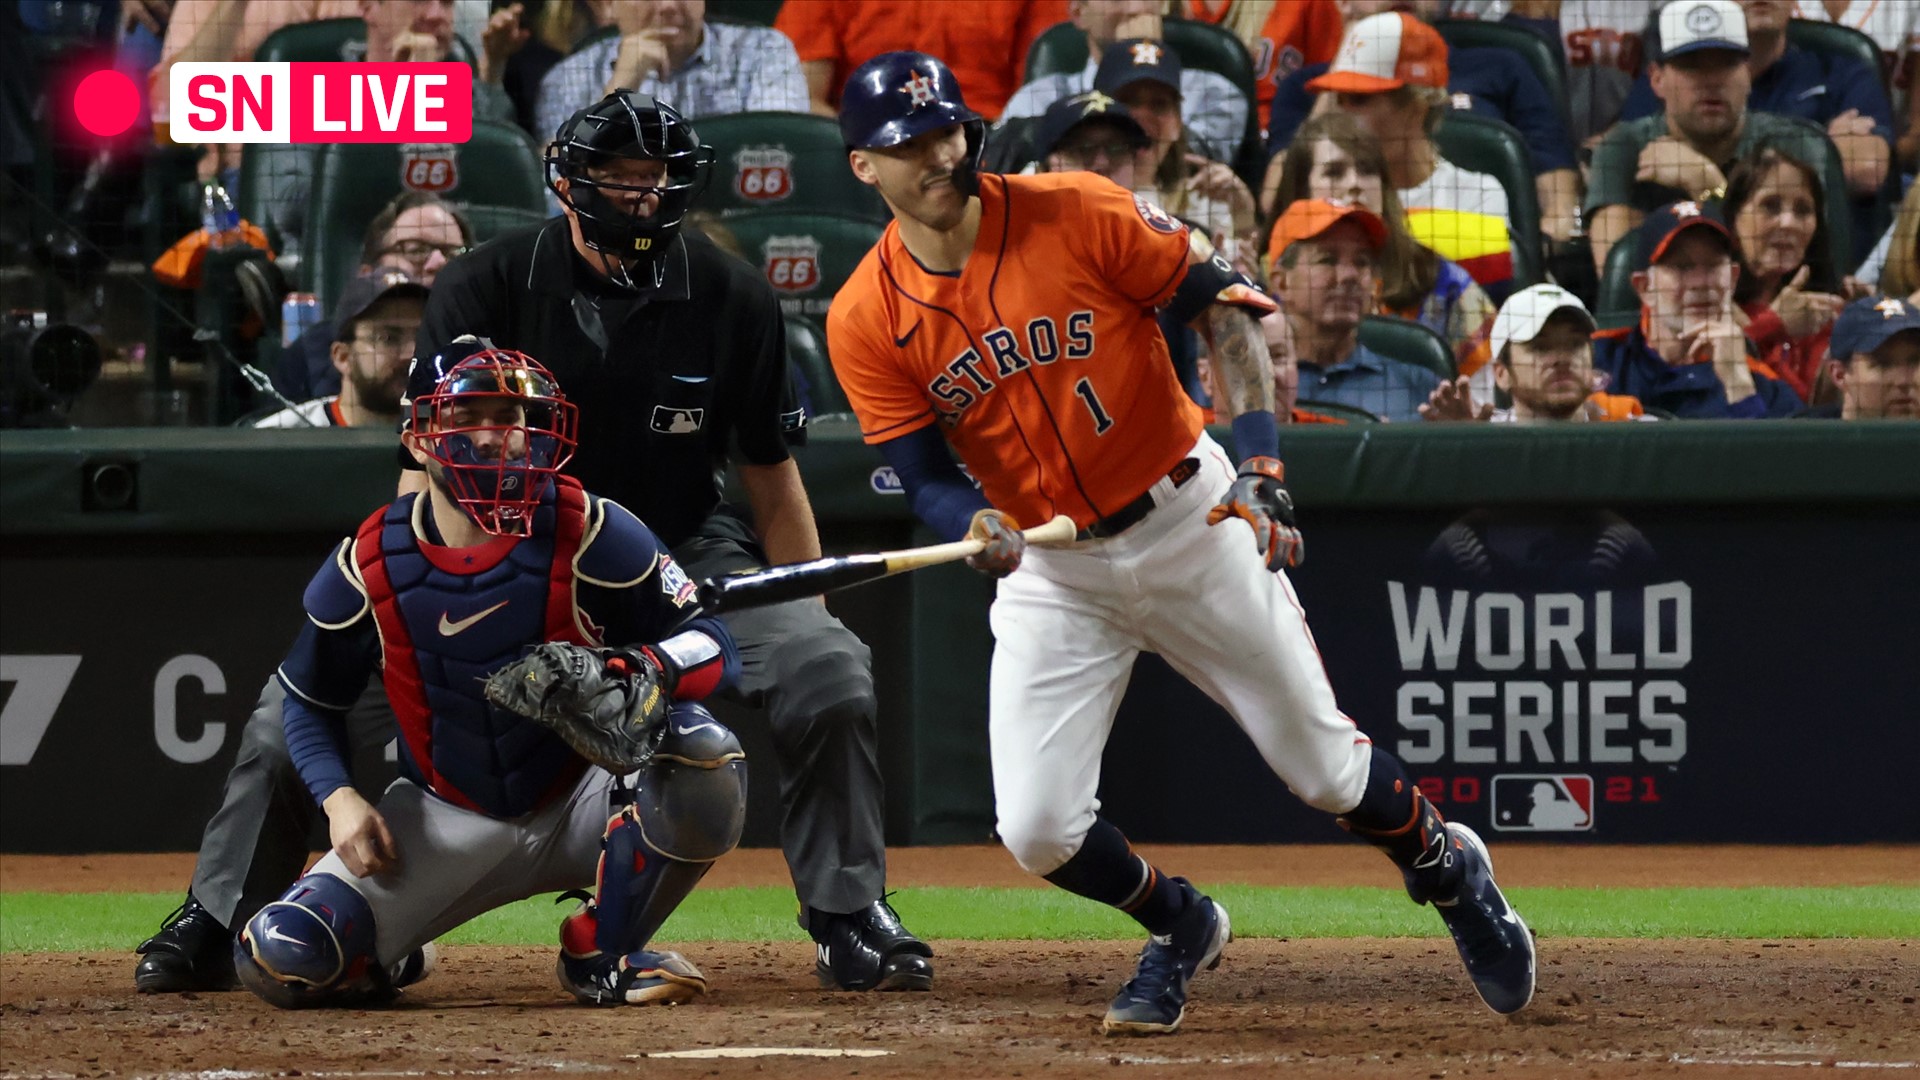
(608,704)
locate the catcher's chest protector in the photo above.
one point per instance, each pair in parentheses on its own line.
(449,617)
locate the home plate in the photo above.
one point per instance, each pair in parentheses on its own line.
(767,1051)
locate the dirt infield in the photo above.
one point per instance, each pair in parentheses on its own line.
(1364,1007)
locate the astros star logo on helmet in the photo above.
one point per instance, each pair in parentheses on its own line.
(1146,52)
(919,90)
(1891,308)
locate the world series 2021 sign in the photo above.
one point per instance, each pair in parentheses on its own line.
(1571,674)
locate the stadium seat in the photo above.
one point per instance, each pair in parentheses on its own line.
(1617,298)
(488,222)
(325,40)
(1477,34)
(807,352)
(352,181)
(794,162)
(749,12)
(1408,342)
(1832,39)
(805,257)
(1335,410)
(1061,49)
(1479,144)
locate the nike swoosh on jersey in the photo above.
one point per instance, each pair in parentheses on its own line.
(448,628)
(902,341)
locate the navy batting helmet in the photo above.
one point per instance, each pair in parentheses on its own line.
(624,125)
(898,95)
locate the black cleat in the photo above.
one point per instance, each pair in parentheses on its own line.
(192,952)
(867,950)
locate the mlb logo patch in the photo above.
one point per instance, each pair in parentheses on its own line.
(675,583)
(1542,802)
(671,421)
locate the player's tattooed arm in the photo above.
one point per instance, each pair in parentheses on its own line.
(1238,348)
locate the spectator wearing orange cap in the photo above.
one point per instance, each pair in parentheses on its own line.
(1323,266)
(1391,75)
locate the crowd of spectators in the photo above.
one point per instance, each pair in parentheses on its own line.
(1760,182)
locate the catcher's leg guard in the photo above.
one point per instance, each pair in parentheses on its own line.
(689,809)
(313,946)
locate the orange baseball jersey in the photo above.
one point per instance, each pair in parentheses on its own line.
(1296,33)
(1041,359)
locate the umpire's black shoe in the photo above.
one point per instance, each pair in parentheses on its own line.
(191,952)
(868,950)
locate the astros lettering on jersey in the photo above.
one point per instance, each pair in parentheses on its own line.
(904,346)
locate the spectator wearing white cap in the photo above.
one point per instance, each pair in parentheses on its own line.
(1543,359)
(1391,75)
(1683,153)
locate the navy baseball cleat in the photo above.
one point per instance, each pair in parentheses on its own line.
(867,949)
(1494,943)
(638,978)
(1154,1001)
(192,952)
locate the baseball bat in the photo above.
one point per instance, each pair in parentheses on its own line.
(794,581)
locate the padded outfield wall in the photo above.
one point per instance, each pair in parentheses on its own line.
(1671,632)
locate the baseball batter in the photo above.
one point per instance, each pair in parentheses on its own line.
(439,590)
(1014,318)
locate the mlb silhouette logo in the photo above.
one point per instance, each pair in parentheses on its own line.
(1542,802)
(671,421)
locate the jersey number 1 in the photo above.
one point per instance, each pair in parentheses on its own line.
(1101,421)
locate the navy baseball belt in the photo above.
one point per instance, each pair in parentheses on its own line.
(1136,511)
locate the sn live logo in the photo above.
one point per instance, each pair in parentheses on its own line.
(320,102)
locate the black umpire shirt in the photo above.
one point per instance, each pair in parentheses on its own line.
(671,382)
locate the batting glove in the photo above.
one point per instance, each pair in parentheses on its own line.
(1005,544)
(1258,498)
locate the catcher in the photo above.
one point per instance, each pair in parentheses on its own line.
(533,758)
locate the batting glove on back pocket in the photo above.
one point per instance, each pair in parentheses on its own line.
(1259,498)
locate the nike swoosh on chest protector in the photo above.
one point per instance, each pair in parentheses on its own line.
(448,628)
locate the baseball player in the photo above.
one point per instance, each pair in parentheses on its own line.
(438,590)
(1014,317)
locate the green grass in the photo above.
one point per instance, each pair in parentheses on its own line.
(52,922)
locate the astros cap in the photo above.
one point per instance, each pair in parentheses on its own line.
(1386,52)
(1130,60)
(1526,312)
(1695,25)
(1305,219)
(1867,323)
(1658,231)
(369,289)
(1067,115)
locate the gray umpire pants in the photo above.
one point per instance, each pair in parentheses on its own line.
(812,677)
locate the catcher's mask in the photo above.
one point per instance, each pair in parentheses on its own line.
(625,126)
(500,429)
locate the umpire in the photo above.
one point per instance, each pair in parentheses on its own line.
(676,355)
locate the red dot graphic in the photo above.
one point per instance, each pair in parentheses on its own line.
(106,103)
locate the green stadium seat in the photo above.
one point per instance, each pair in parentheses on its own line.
(1408,342)
(750,12)
(1480,144)
(805,257)
(1832,39)
(794,162)
(352,181)
(807,350)
(331,39)
(1061,49)
(1617,298)
(1335,410)
(488,222)
(1529,46)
